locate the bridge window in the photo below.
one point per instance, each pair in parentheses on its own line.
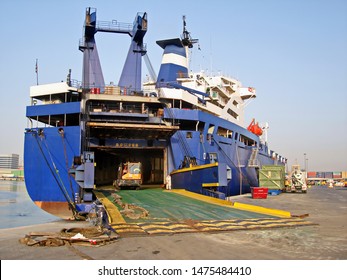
(224,132)
(187,125)
(247,141)
(211,129)
(233,114)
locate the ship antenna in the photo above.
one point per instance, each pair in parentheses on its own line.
(187,40)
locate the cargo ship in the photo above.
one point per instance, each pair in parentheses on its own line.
(185,128)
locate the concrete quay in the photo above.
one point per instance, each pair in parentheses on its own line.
(327,240)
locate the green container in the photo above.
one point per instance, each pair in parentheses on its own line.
(18,172)
(272,177)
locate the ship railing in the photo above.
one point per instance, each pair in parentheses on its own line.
(83,44)
(114,26)
(107,108)
(116,90)
(149,93)
(75,83)
(253,160)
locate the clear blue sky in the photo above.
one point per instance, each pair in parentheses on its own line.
(294,52)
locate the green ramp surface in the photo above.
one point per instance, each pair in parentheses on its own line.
(167,206)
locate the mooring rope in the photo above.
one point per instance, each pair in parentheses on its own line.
(129,210)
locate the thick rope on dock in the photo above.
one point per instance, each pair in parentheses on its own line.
(131,211)
(90,236)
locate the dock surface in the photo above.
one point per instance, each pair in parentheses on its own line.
(326,239)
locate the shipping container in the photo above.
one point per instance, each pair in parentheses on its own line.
(337,175)
(18,173)
(320,174)
(272,177)
(328,175)
(311,174)
(344,174)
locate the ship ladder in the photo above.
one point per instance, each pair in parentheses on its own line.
(184,145)
(182,141)
(253,161)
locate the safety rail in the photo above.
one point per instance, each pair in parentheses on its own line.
(109,108)
(75,83)
(114,26)
(116,90)
(82,45)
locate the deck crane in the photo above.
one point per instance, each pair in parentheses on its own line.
(92,76)
(131,74)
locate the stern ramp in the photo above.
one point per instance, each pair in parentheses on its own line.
(157,211)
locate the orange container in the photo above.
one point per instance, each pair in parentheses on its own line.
(259,193)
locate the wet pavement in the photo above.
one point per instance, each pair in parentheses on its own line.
(326,240)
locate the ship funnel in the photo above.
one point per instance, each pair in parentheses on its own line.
(174,61)
(175,58)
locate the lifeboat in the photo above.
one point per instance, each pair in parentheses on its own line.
(255,128)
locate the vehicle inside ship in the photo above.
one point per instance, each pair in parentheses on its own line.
(108,160)
(127,129)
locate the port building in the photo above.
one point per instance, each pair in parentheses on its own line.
(9,161)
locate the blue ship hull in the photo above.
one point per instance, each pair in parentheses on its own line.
(48,158)
(232,173)
(80,133)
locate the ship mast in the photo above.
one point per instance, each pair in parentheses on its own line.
(186,39)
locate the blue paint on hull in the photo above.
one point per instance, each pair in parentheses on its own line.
(46,170)
(231,154)
(46,162)
(48,155)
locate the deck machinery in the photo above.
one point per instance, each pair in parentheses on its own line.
(92,72)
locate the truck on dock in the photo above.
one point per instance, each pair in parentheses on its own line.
(129,175)
(297,180)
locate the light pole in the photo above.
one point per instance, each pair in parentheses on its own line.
(305,161)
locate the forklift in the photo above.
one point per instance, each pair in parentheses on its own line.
(129,175)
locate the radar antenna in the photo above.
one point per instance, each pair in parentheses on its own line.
(186,38)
